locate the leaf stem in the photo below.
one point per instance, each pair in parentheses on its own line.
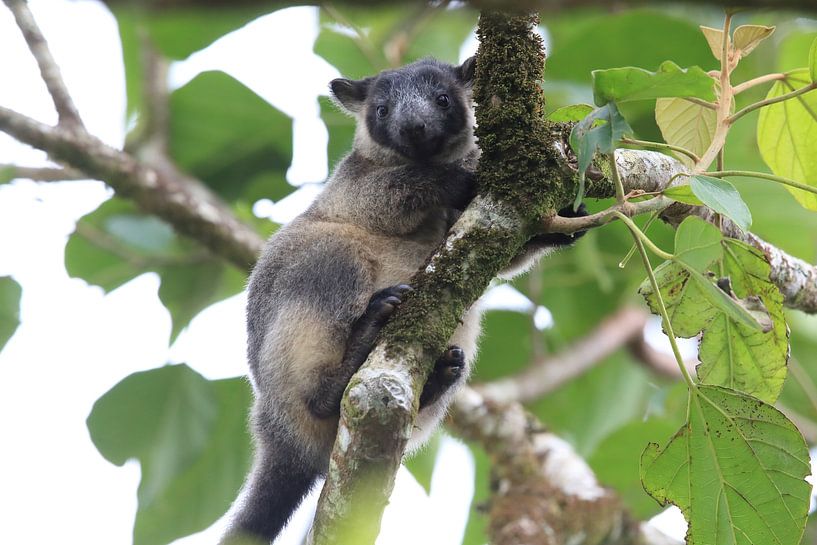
(762,176)
(637,234)
(700,102)
(737,89)
(769,101)
(616,178)
(641,236)
(659,146)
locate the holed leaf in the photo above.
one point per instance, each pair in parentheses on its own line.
(670,80)
(787,136)
(734,355)
(736,469)
(10,292)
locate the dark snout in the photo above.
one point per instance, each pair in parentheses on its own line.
(418,139)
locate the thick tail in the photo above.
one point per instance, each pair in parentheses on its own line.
(277,485)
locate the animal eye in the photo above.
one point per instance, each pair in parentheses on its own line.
(382,111)
(443,101)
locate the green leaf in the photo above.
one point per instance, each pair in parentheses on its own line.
(615,462)
(747,37)
(736,469)
(116,243)
(190,439)
(645,37)
(682,193)
(421,463)
(186,290)
(505,347)
(686,125)
(738,357)
(587,136)
(574,112)
(697,243)
(198,496)
(178,32)
(230,138)
(163,417)
(10,292)
(786,136)
(812,60)
(722,197)
(670,80)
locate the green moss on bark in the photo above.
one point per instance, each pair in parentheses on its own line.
(516,164)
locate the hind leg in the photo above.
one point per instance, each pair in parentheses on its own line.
(325,400)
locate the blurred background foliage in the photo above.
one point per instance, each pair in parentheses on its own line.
(192,441)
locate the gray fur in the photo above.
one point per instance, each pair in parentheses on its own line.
(385,209)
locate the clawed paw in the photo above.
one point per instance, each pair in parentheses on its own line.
(384,302)
(449,367)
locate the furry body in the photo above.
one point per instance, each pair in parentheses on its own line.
(327,282)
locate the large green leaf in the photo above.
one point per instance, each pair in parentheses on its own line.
(736,469)
(178,32)
(116,243)
(734,355)
(787,136)
(645,38)
(10,292)
(198,496)
(670,80)
(230,138)
(685,124)
(191,442)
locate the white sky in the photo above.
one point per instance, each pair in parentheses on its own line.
(75,342)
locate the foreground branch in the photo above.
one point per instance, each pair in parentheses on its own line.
(543,492)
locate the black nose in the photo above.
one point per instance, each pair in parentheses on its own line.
(413,130)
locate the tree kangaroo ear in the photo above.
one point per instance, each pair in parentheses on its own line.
(465,71)
(350,94)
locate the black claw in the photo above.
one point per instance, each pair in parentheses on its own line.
(384,302)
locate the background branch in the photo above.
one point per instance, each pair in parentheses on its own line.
(40,174)
(50,72)
(542,492)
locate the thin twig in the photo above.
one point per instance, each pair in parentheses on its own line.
(41,174)
(739,88)
(50,72)
(769,101)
